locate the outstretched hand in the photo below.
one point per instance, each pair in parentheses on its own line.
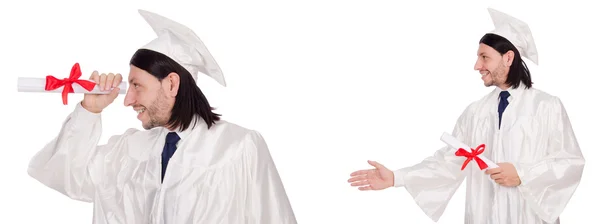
(373,179)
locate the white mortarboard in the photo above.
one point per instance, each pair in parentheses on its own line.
(515,31)
(181,44)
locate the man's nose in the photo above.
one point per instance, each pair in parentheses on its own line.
(129,99)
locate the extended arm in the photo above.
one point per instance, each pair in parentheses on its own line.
(64,163)
(433,182)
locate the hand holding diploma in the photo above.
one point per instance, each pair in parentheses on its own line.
(71,84)
(95,103)
(504,174)
(463,150)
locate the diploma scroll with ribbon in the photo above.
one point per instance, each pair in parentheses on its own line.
(463,150)
(72,84)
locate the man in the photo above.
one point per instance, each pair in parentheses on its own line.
(525,131)
(188,166)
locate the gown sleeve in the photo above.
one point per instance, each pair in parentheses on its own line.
(433,182)
(64,164)
(548,183)
(269,201)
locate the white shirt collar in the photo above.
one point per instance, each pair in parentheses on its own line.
(198,123)
(184,134)
(515,93)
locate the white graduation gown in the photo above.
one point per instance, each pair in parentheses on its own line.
(535,136)
(224,174)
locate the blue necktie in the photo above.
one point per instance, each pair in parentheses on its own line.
(503,104)
(168,150)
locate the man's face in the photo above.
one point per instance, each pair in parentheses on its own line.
(150,98)
(492,66)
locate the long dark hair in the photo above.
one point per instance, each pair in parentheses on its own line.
(190,100)
(518,70)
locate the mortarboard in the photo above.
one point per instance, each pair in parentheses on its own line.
(515,31)
(181,44)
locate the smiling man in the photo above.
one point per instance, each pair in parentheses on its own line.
(525,130)
(188,166)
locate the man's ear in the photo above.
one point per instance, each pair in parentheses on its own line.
(508,58)
(172,83)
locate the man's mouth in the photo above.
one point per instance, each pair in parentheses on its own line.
(139,111)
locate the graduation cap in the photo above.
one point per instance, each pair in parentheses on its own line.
(515,31)
(181,44)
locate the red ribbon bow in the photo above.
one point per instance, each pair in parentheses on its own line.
(53,83)
(472,155)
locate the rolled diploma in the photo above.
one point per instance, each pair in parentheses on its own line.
(456,144)
(39,85)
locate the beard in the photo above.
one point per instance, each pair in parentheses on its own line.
(157,112)
(496,76)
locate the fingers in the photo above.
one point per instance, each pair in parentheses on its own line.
(360,183)
(114,93)
(118,79)
(497,176)
(359,178)
(102,81)
(106,81)
(95,77)
(500,181)
(493,171)
(109,81)
(360,172)
(365,188)
(375,164)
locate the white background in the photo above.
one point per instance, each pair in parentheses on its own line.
(330,84)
